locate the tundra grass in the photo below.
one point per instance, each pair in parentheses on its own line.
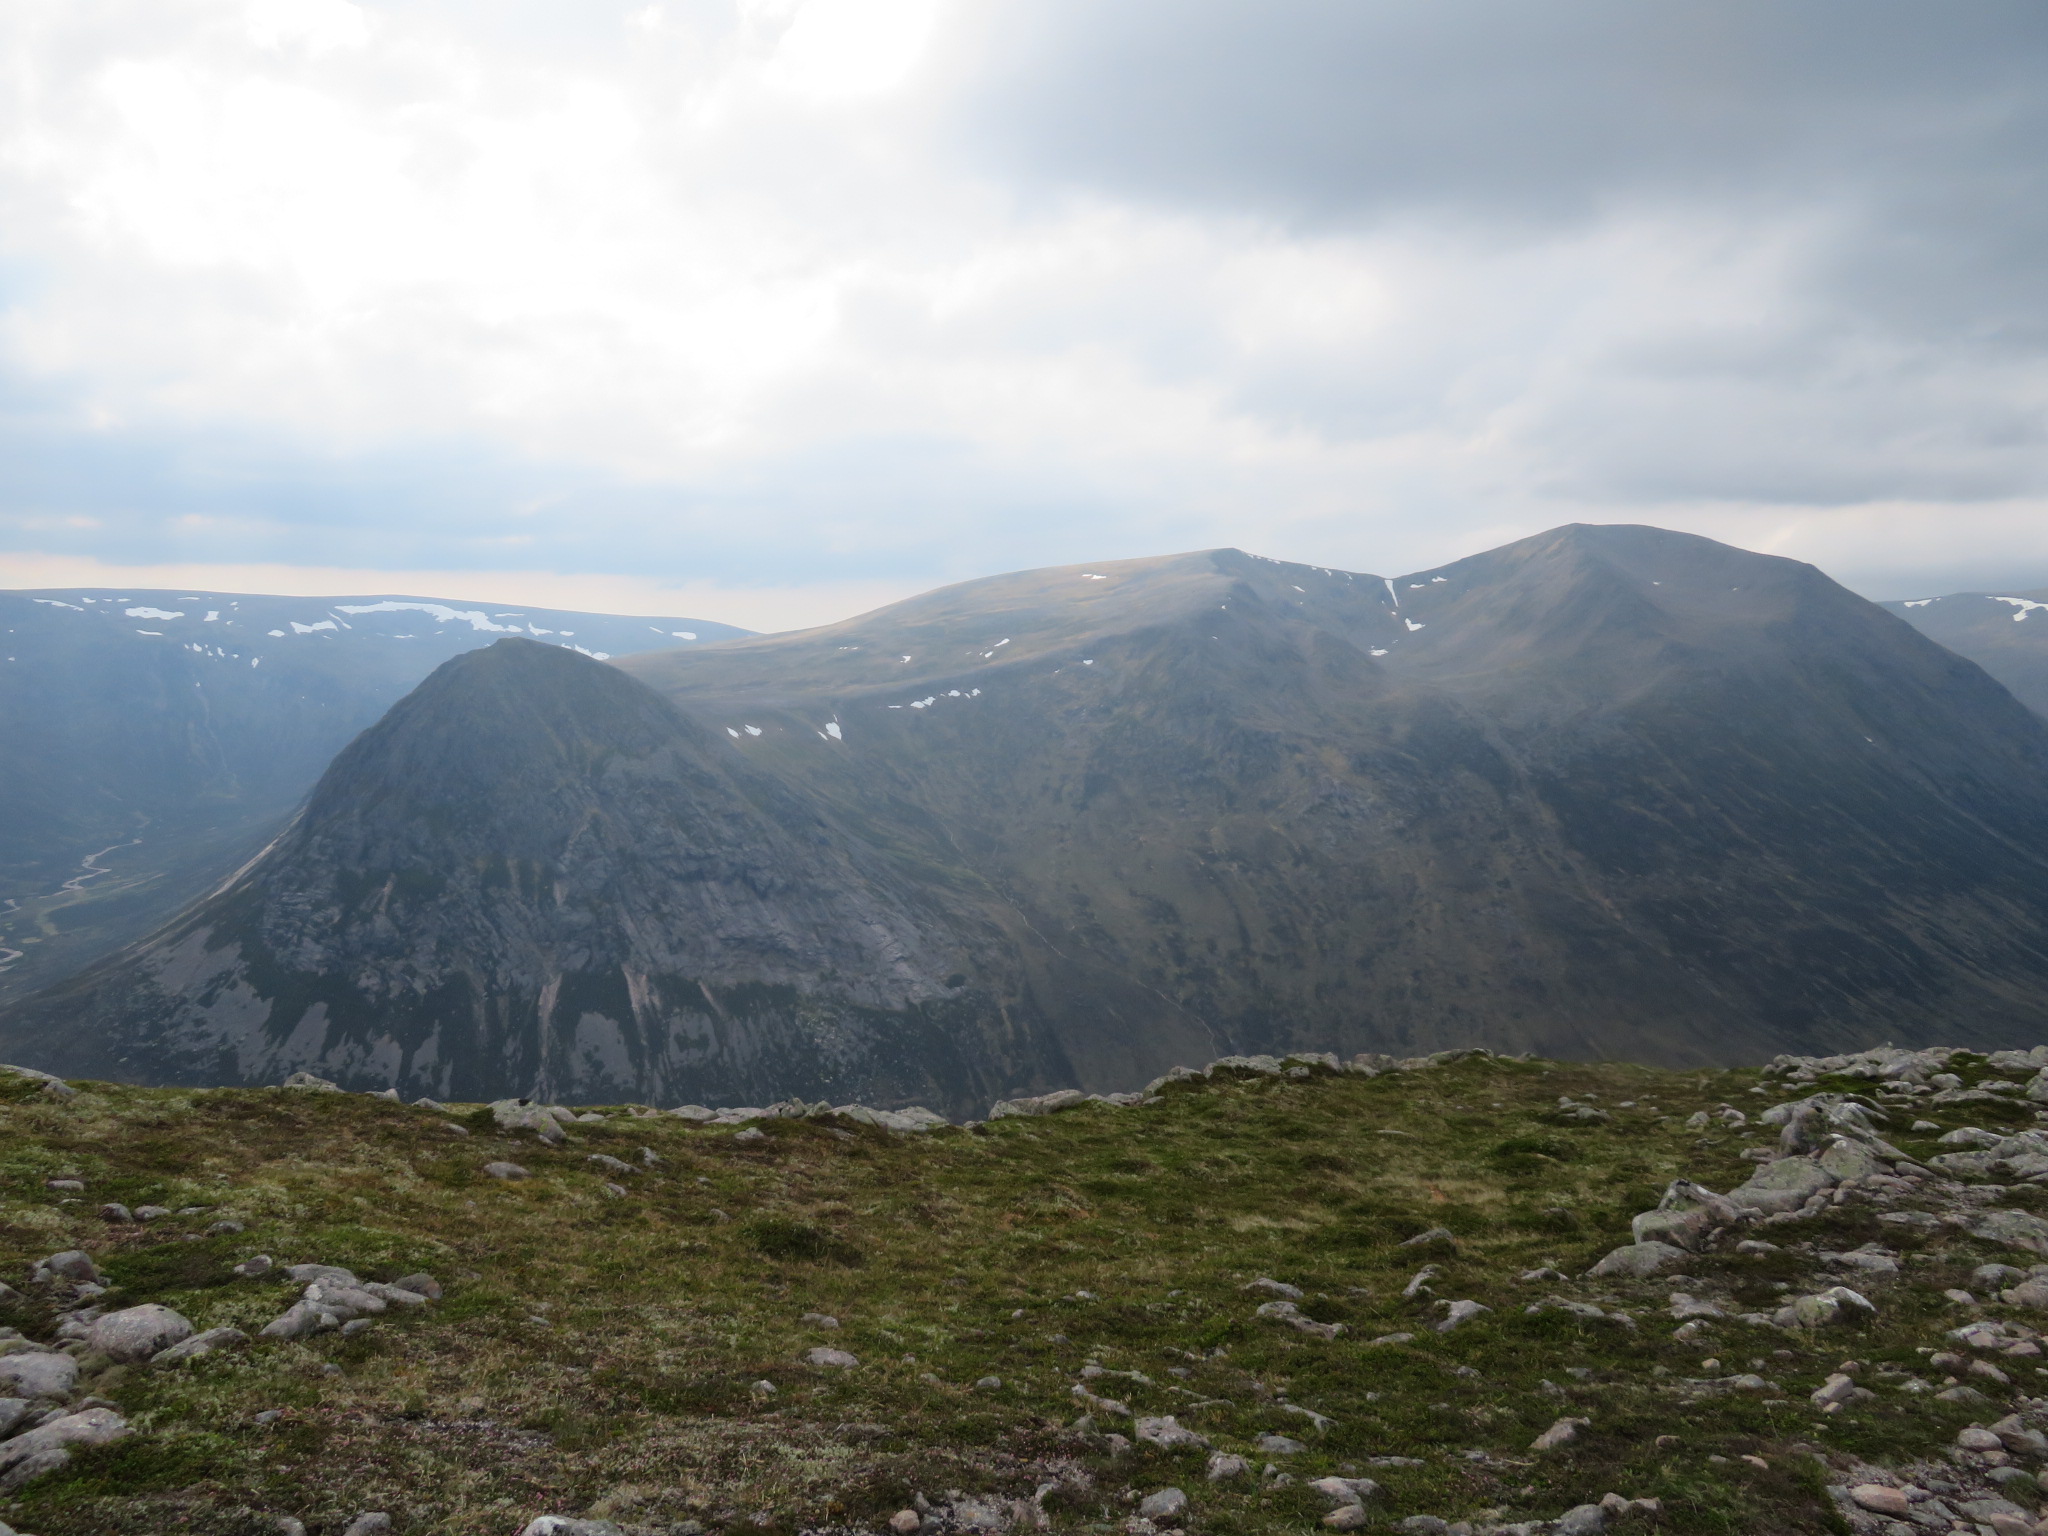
(641,1358)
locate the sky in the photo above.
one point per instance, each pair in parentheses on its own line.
(771,311)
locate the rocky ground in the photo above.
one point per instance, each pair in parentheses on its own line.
(1452,1294)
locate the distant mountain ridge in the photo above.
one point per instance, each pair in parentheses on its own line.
(154,739)
(1606,792)
(2005,633)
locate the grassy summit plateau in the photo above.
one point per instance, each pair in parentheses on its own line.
(641,1357)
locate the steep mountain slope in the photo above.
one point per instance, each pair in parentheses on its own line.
(2004,633)
(154,740)
(1607,792)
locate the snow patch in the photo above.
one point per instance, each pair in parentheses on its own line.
(683,634)
(51,602)
(2025,606)
(475,618)
(307,629)
(1918,602)
(832,730)
(1412,625)
(153,613)
(753,730)
(735,735)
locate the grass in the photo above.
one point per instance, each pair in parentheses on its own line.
(602,1356)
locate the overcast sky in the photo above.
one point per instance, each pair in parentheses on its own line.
(772,310)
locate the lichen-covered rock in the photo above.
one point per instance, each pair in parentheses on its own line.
(48,1446)
(2015,1229)
(525,1115)
(200,1345)
(1785,1185)
(1042,1104)
(137,1333)
(38,1373)
(1169,1432)
(1637,1260)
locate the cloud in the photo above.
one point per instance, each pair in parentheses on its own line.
(863,295)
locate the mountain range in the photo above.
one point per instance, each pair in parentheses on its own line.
(2005,633)
(156,740)
(1605,792)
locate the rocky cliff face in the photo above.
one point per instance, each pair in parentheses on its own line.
(1605,792)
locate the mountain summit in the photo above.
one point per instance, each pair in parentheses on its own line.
(1608,791)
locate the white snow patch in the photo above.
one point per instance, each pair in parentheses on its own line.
(1091,576)
(1378,652)
(1390,590)
(534,629)
(212,616)
(906,658)
(753,730)
(2025,606)
(1412,625)
(1088,662)
(683,634)
(1302,590)
(1416,586)
(1918,602)
(307,629)
(832,730)
(153,613)
(157,632)
(51,602)
(277,634)
(735,735)
(593,655)
(1439,578)
(475,618)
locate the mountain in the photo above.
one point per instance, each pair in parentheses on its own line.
(2004,633)
(1606,792)
(156,740)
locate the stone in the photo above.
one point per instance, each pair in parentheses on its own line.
(562,1525)
(308,1081)
(506,1171)
(1169,1433)
(1836,1305)
(2015,1229)
(750,1136)
(1346,1517)
(136,1333)
(1638,1261)
(1276,1288)
(38,1374)
(1563,1432)
(610,1163)
(72,1265)
(224,1229)
(301,1320)
(147,1213)
(835,1359)
(1279,1445)
(1847,1159)
(525,1115)
(1784,1185)
(905,1521)
(345,1301)
(113,1210)
(201,1345)
(1434,1237)
(988,1384)
(1880,1500)
(1581,1520)
(1287,1312)
(1977,1438)
(48,1446)
(819,1320)
(1459,1312)
(1166,1504)
(1346,1490)
(12,1411)
(249,1269)
(1223,1467)
(373,1522)
(402,1297)
(421,1284)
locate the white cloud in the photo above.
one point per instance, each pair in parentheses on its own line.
(745,262)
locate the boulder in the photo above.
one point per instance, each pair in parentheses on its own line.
(73,1266)
(1223,1467)
(2015,1229)
(1838,1304)
(48,1446)
(12,1411)
(138,1333)
(525,1115)
(1166,1504)
(1169,1433)
(835,1359)
(1637,1260)
(420,1285)
(1043,1104)
(1785,1185)
(562,1525)
(200,1345)
(301,1320)
(1847,1159)
(1563,1432)
(506,1171)
(321,1274)
(314,1084)
(38,1373)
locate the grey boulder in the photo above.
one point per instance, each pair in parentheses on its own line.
(48,1446)
(137,1333)
(201,1345)
(1637,1260)
(38,1374)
